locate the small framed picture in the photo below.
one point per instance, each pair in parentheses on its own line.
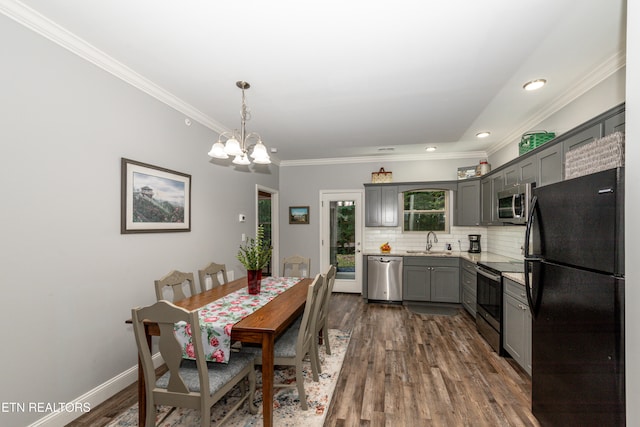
(298,214)
(154,199)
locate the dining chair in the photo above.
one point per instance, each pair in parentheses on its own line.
(297,341)
(321,325)
(193,384)
(175,280)
(296,266)
(210,273)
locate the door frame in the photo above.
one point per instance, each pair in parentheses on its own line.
(275,225)
(354,286)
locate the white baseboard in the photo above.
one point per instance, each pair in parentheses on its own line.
(95,397)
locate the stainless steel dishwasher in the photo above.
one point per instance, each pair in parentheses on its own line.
(384,278)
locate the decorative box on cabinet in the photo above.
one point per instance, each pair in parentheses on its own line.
(517,324)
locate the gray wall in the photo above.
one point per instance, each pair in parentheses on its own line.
(69,278)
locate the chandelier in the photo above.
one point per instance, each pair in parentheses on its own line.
(239,144)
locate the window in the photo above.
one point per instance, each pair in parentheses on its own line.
(426,210)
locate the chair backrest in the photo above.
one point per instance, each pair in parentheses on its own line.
(176,393)
(306,335)
(323,311)
(296,266)
(210,274)
(175,280)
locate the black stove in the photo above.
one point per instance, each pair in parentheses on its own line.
(504,267)
(489,300)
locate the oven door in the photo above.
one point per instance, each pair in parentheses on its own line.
(489,296)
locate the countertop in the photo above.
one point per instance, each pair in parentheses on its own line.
(516,277)
(475,258)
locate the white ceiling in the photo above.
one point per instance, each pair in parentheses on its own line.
(342,78)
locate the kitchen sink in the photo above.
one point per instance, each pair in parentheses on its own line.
(435,253)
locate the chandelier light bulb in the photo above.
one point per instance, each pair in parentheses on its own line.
(241,159)
(232,147)
(217,151)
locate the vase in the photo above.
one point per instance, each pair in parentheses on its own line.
(253,278)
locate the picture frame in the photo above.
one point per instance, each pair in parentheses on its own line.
(154,199)
(298,214)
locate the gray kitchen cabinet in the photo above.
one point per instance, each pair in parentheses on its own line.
(614,123)
(489,188)
(468,285)
(468,203)
(517,324)
(511,175)
(523,171)
(550,165)
(528,170)
(381,205)
(583,137)
(431,279)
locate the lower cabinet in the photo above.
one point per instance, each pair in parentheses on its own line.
(517,324)
(468,285)
(432,279)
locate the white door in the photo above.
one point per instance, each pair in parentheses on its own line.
(341,237)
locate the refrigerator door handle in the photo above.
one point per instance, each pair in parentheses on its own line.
(527,234)
(528,259)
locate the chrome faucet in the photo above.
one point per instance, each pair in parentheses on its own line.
(435,240)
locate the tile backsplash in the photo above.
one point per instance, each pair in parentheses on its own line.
(506,241)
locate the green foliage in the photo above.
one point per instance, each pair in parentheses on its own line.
(255,253)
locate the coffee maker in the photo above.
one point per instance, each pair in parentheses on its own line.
(474,243)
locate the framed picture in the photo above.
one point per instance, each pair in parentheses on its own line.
(298,214)
(154,199)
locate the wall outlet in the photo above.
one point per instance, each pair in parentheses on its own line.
(242,217)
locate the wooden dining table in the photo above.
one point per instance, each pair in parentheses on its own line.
(262,327)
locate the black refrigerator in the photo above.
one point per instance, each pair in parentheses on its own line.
(574,271)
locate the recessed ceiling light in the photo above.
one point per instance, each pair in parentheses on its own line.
(534,84)
(483,134)
(430,148)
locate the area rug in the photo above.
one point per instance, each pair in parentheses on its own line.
(436,310)
(286,405)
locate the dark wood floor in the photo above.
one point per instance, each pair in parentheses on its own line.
(405,369)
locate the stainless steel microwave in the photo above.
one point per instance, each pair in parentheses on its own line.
(513,203)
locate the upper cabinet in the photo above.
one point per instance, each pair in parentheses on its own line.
(583,137)
(381,205)
(468,203)
(490,185)
(550,165)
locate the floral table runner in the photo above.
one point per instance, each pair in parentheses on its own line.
(218,317)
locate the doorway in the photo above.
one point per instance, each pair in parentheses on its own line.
(267,217)
(341,237)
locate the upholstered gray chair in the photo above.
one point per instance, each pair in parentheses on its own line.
(296,266)
(176,281)
(321,326)
(210,274)
(194,384)
(298,340)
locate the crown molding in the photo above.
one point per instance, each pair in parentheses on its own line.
(40,24)
(377,159)
(597,75)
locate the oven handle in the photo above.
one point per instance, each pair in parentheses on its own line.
(485,273)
